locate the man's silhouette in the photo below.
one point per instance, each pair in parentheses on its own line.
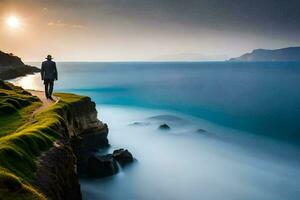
(49,74)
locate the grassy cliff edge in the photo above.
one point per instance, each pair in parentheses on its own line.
(21,147)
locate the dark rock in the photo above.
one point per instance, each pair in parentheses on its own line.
(56,175)
(123,156)
(139,124)
(164,127)
(102,166)
(12,66)
(201,130)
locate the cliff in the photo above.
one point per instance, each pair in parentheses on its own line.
(37,160)
(56,175)
(12,66)
(285,54)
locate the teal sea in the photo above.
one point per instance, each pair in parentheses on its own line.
(235,131)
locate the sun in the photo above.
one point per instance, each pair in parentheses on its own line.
(13,22)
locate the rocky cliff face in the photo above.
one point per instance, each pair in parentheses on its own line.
(82,132)
(12,66)
(7,60)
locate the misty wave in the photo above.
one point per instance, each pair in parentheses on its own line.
(183,164)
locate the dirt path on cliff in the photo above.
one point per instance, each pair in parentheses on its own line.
(46,102)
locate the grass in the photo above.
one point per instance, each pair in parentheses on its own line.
(19,150)
(11,187)
(16,107)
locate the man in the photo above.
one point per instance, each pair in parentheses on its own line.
(49,74)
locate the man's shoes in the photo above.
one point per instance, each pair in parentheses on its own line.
(50,97)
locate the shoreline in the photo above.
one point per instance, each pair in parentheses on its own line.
(155,150)
(18,72)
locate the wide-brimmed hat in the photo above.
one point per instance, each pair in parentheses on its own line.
(49,57)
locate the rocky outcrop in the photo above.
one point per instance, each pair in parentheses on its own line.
(57,176)
(123,156)
(8,59)
(263,55)
(164,127)
(12,66)
(200,130)
(107,165)
(81,131)
(102,166)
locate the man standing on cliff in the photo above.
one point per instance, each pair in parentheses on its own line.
(49,74)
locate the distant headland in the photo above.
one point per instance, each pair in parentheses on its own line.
(284,54)
(11,66)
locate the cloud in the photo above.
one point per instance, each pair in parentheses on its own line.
(61,24)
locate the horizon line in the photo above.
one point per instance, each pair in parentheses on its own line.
(130,61)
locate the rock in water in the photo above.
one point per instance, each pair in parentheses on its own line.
(122,156)
(200,130)
(164,127)
(102,166)
(139,124)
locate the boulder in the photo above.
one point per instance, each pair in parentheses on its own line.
(101,166)
(122,156)
(201,130)
(164,127)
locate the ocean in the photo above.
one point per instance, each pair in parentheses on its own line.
(234,127)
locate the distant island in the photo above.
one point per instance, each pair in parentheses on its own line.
(11,66)
(284,54)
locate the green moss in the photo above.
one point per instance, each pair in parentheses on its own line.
(19,150)
(69,98)
(16,107)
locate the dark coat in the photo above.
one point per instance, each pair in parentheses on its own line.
(48,70)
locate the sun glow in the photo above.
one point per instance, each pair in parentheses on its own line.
(13,22)
(31,82)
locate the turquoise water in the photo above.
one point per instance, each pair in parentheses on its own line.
(261,98)
(249,111)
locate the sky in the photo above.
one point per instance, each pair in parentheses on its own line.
(141,30)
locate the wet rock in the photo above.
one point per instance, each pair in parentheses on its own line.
(164,127)
(123,156)
(201,130)
(139,124)
(102,166)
